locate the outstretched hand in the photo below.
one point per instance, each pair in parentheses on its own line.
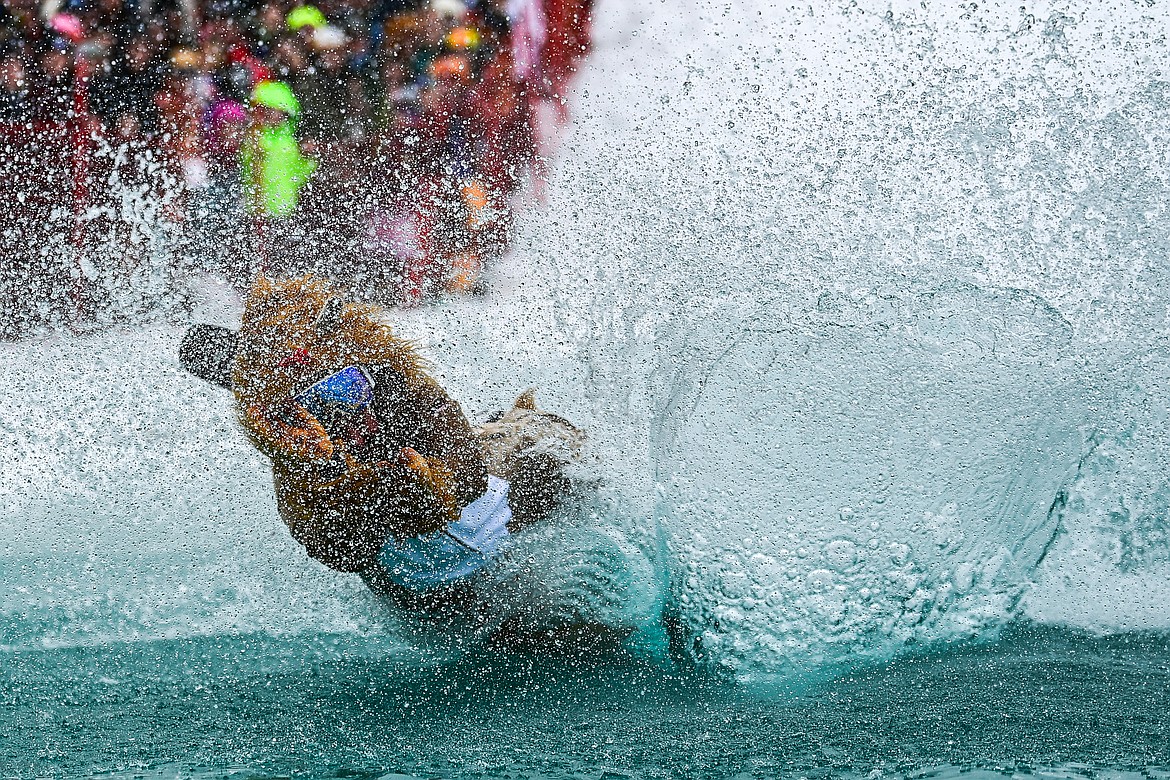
(424,486)
(292,432)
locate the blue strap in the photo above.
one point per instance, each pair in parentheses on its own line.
(462,549)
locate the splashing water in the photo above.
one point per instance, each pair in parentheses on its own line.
(863,307)
(868,299)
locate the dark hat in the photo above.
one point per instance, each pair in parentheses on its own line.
(209,352)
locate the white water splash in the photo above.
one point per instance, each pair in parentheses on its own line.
(848,298)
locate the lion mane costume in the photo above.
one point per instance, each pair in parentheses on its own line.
(422,464)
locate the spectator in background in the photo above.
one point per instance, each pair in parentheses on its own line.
(568,24)
(227,126)
(274,173)
(129,87)
(16,104)
(20,25)
(267,26)
(180,113)
(221,212)
(290,62)
(111,20)
(336,110)
(54,94)
(381,12)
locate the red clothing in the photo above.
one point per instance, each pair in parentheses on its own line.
(568,41)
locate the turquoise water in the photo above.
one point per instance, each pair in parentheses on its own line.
(1054,703)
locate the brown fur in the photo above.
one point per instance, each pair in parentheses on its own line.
(415,477)
(279,320)
(533,450)
(425,463)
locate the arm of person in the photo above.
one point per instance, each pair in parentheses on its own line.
(416,413)
(344,520)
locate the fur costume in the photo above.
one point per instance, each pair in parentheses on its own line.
(533,450)
(422,465)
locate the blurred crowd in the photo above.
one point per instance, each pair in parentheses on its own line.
(380,142)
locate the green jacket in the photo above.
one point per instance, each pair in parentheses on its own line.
(274,170)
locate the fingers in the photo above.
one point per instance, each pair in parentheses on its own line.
(411,459)
(434,477)
(296,433)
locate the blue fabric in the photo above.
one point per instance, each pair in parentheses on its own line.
(463,548)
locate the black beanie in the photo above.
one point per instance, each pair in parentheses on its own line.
(209,352)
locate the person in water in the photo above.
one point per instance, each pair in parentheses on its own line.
(407,492)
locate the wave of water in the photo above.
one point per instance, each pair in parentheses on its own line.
(877,295)
(863,307)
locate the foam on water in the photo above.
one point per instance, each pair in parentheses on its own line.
(862,306)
